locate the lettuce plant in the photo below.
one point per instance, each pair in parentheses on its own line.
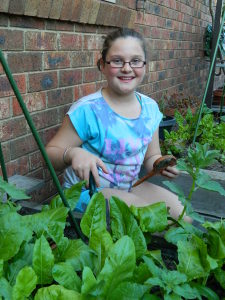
(37,261)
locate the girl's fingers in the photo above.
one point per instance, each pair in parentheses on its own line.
(101,164)
(94,171)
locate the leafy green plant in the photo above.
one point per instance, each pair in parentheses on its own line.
(37,261)
(209,132)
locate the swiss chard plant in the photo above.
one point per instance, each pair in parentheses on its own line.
(37,261)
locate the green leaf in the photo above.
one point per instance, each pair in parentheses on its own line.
(5,289)
(26,281)
(187,292)
(128,291)
(153,268)
(205,182)
(90,213)
(119,265)
(141,273)
(78,254)
(20,260)
(220,277)
(45,221)
(72,196)
(152,218)
(174,188)
(124,223)
(43,261)
(150,297)
(93,224)
(216,239)
(57,292)
(172,297)
(13,231)
(192,256)
(205,291)
(88,280)
(175,234)
(12,190)
(65,275)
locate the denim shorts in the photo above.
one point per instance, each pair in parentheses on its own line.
(84,200)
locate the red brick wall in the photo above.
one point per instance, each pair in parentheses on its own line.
(52,47)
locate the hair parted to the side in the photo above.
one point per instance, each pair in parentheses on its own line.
(119,33)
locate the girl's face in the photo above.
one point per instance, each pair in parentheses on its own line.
(124,80)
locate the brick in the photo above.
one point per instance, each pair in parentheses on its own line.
(31,7)
(17,7)
(44,8)
(4,20)
(47,134)
(23,62)
(92,42)
(70,41)
(28,22)
(70,77)
(76,10)
(94,12)
(86,29)
(66,11)
(56,60)
(45,118)
(36,161)
(59,26)
(4,6)
(82,59)
(62,110)
(5,87)
(12,128)
(33,102)
(102,15)
(40,41)
(22,146)
(42,81)
(86,89)
(5,108)
(55,10)
(11,39)
(18,166)
(131,22)
(60,97)
(5,152)
(91,74)
(86,10)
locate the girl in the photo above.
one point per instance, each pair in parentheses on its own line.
(115,130)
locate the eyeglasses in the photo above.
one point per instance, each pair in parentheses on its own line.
(117,63)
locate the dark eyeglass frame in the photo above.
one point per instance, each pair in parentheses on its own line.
(126,62)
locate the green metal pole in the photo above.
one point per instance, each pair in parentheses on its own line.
(39,142)
(208,81)
(4,172)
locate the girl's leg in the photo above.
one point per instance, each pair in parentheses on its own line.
(148,193)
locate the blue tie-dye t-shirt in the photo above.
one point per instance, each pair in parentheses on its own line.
(120,142)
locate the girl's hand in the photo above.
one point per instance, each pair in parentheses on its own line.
(170,172)
(83,162)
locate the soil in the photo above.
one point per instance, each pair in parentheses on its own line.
(217,166)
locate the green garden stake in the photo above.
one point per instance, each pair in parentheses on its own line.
(39,142)
(4,172)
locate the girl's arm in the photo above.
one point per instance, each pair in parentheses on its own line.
(153,152)
(64,150)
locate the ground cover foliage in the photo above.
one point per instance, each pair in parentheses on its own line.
(211,131)
(37,261)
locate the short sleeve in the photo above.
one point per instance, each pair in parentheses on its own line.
(80,117)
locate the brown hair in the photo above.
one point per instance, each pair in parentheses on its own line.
(119,33)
